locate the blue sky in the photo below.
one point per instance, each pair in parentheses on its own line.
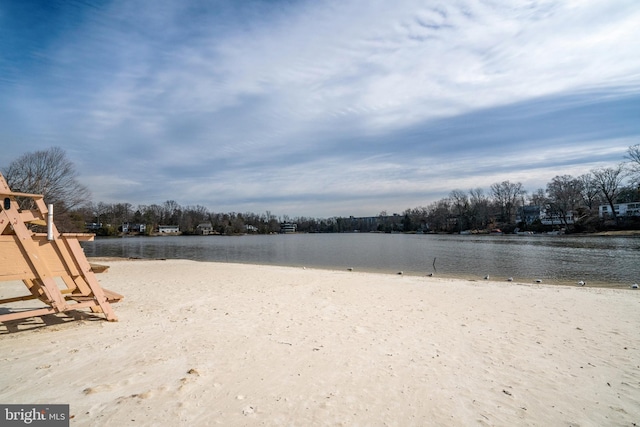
(319,108)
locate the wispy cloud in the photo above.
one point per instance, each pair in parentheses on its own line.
(307,105)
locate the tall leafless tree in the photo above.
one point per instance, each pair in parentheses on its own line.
(633,156)
(539,198)
(506,195)
(565,195)
(439,213)
(609,182)
(460,202)
(479,208)
(171,212)
(591,196)
(50,173)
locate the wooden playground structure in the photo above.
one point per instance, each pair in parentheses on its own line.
(52,265)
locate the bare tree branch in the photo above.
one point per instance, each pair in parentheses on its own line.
(50,173)
(609,182)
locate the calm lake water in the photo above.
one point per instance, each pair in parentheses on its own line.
(601,260)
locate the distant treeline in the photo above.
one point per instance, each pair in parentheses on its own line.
(565,197)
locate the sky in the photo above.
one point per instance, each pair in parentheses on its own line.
(318,108)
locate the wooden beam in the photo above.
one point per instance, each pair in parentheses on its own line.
(44,310)
(9,193)
(16,299)
(90,277)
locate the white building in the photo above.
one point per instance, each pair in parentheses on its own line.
(129,227)
(288,228)
(529,214)
(204,228)
(168,229)
(621,209)
(554,218)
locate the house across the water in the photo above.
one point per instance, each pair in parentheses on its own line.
(168,229)
(288,227)
(204,228)
(621,209)
(129,227)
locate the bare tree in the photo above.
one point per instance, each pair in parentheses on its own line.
(152,215)
(506,195)
(50,173)
(419,217)
(590,191)
(192,216)
(99,213)
(633,156)
(538,198)
(439,213)
(479,208)
(460,202)
(565,194)
(609,182)
(171,212)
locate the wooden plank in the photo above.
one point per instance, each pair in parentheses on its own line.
(4,225)
(44,311)
(74,268)
(30,252)
(42,207)
(50,255)
(4,187)
(11,277)
(98,268)
(4,193)
(71,285)
(35,287)
(25,314)
(64,255)
(13,264)
(33,217)
(13,260)
(76,250)
(16,299)
(112,296)
(83,237)
(80,298)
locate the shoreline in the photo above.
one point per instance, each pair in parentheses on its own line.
(204,343)
(461,277)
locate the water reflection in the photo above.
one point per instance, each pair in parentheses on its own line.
(553,259)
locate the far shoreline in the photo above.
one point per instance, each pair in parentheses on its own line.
(617,233)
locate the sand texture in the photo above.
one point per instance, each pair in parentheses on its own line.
(201,344)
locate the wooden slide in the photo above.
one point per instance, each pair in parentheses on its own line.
(52,265)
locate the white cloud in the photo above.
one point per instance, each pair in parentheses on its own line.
(331,99)
(386,66)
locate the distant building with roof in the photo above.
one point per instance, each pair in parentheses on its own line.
(621,210)
(168,229)
(288,227)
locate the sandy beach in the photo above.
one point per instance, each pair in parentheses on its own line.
(201,344)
